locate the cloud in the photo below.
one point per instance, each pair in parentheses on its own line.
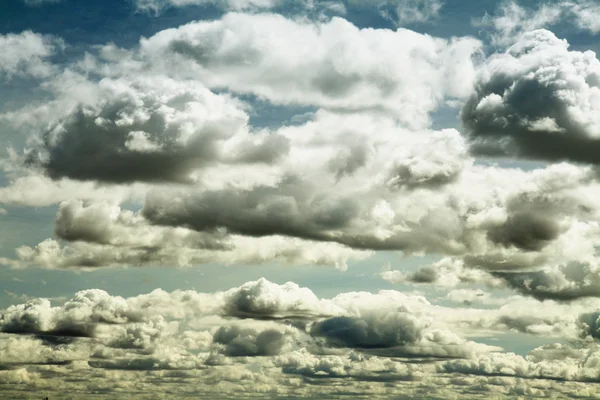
(335,65)
(532,367)
(511,20)
(447,272)
(158,5)
(288,339)
(403,11)
(354,366)
(26,54)
(418,10)
(210,188)
(264,299)
(150,130)
(505,116)
(584,12)
(77,317)
(103,235)
(323,203)
(242,342)
(564,282)
(394,333)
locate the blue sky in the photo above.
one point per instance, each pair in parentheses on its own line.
(335,198)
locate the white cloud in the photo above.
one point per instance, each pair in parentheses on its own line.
(26,54)
(262,337)
(333,64)
(509,364)
(511,20)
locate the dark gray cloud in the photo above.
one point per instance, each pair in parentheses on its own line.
(290,209)
(248,342)
(368,333)
(159,131)
(525,231)
(590,324)
(566,282)
(537,100)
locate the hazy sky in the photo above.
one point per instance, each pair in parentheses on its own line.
(286,198)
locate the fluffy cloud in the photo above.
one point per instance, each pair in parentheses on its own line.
(394,334)
(238,341)
(77,317)
(26,54)
(102,234)
(332,189)
(150,130)
(354,366)
(269,335)
(264,299)
(544,363)
(537,100)
(333,65)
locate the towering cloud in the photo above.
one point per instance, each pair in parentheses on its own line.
(537,100)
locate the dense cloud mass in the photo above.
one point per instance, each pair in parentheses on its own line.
(226,337)
(138,134)
(449,173)
(537,100)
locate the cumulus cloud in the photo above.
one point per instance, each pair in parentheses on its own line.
(264,299)
(149,130)
(543,364)
(505,114)
(324,203)
(213,189)
(268,334)
(354,366)
(27,53)
(241,342)
(77,317)
(334,64)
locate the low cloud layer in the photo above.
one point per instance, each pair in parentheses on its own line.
(370,339)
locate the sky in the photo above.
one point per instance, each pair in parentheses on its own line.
(299,199)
